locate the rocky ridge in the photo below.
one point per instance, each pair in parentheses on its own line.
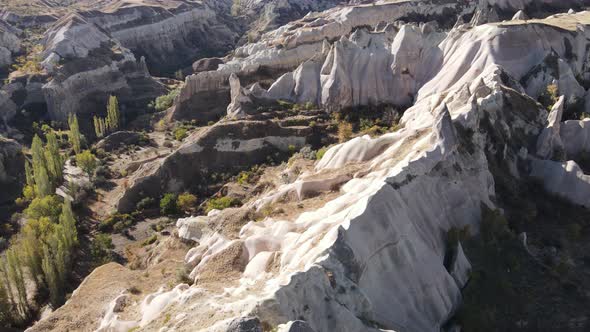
(474,112)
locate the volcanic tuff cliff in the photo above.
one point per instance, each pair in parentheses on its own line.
(357,240)
(369,253)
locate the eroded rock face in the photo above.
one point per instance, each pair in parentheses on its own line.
(227,147)
(87,66)
(119,139)
(12,169)
(170,35)
(471,115)
(291,45)
(9,44)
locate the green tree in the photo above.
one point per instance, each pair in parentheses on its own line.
(52,277)
(6,312)
(187,202)
(87,162)
(113,118)
(101,248)
(41,175)
(29,173)
(48,206)
(168,204)
(53,157)
(67,231)
(16,277)
(74,136)
(98,128)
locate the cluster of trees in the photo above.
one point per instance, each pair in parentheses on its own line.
(45,172)
(43,252)
(109,124)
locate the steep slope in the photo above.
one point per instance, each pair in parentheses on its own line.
(370,253)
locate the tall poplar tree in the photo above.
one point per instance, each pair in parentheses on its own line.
(75,136)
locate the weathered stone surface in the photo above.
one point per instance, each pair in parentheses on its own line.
(575,135)
(227,147)
(119,139)
(286,48)
(565,179)
(12,169)
(95,67)
(9,44)
(549,142)
(460,267)
(408,188)
(206,64)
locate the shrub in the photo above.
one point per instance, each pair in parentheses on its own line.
(320,153)
(222,203)
(180,133)
(168,204)
(48,206)
(101,249)
(86,161)
(187,202)
(550,96)
(245,177)
(344,131)
(166,101)
(145,203)
(285,104)
(182,276)
(494,226)
(116,222)
(149,240)
(292,149)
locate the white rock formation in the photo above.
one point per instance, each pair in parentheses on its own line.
(575,135)
(549,142)
(327,272)
(291,45)
(564,179)
(87,66)
(364,69)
